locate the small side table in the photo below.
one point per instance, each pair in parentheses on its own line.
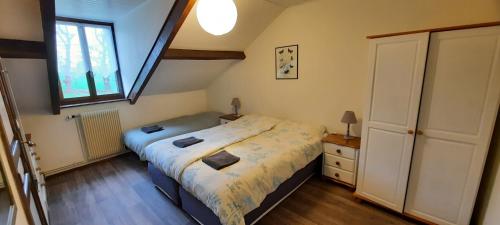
(228,118)
(340,159)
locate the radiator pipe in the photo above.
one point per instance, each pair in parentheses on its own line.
(72,117)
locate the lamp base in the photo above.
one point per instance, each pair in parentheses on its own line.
(348,137)
(235,111)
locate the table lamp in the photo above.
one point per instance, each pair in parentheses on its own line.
(348,118)
(236,105)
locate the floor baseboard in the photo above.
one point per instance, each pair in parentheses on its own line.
(80,164)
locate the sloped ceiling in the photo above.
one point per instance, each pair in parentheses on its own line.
(101,10)
(185,75)
(253,18)
(287,3)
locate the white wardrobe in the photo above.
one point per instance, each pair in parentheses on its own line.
(429,118)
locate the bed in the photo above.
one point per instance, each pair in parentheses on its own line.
(169,161)
(136,140)
(276,157)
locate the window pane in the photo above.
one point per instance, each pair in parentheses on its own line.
(70,63)
(102,59)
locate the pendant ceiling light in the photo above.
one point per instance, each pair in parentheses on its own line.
(217,17)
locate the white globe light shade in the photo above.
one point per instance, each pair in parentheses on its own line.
(217,17)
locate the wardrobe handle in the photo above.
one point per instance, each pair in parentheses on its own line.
(410,132)
(419,132)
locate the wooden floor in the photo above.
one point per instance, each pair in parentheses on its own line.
(4,204)
(119,191)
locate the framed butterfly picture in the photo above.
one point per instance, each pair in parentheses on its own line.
(287,62)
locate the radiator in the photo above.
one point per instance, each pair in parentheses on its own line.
(101,133)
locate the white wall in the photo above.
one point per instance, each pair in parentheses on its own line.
(333,55)
(57,139)
(135,34)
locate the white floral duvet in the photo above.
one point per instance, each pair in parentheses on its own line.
(266,161)
(173,160)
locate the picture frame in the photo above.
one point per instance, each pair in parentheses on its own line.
(286,61)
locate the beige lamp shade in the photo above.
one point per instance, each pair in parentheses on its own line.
(236,102)
(349,117)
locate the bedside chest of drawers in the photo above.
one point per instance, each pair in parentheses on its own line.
(340,159)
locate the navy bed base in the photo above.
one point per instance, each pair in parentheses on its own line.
(204,215)
(167,185)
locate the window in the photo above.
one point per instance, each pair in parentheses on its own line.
(86,61)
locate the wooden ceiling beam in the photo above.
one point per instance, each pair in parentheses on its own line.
(10,48)
(173,23)
(189,54)
(439,29)
(48,13)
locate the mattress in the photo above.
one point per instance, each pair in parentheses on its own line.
(136,140)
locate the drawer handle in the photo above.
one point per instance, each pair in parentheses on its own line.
(339,151)
(38,158)
(337,163)
(337,175)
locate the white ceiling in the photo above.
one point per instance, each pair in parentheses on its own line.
(253,18)
(100,10)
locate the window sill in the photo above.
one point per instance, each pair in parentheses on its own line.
(92,103)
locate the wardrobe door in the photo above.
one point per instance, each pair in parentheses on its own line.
(396,74)
(457,115)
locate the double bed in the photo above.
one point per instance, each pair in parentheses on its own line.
(276,157)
